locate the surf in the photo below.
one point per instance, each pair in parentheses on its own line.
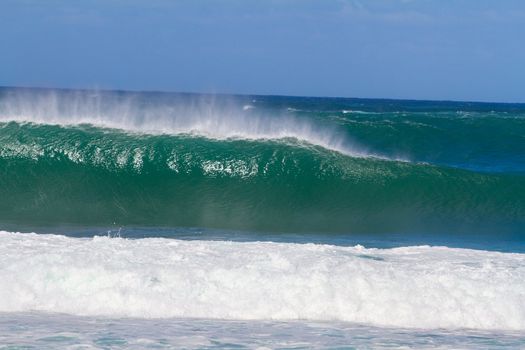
(95,158)
(414,287)
(89,176)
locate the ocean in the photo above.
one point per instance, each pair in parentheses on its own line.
(175,220)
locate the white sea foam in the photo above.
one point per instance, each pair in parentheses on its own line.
(353,111)
(194,116)
(427,287)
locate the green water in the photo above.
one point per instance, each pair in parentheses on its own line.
(91,176)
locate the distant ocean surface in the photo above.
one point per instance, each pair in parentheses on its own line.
(170,220)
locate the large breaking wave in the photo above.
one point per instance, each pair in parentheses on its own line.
(91,176)
(74,158)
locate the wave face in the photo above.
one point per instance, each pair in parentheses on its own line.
(323,166)
(422,287)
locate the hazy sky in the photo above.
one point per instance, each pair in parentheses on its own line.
(421,49)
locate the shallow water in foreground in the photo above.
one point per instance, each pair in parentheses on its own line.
(52,331)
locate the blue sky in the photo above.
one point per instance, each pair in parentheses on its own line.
(420,49)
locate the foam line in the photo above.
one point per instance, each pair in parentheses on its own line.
(422,287)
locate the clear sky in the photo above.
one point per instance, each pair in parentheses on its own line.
(420,49)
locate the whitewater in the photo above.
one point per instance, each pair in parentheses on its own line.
(158,220)
(420,286)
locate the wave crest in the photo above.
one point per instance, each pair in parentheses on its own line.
(199,115)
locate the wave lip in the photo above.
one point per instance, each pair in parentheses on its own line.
(419,287)
(202,116)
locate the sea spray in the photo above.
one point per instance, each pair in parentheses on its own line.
(197,115)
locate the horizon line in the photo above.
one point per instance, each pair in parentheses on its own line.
(256,94)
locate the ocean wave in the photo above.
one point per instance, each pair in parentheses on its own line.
(203,116)
(92,176)
(419,287)
(153,159)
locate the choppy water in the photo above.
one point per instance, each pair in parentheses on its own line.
(52,331)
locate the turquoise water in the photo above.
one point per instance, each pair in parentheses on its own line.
(251,221)
(261,163)
(49,331)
